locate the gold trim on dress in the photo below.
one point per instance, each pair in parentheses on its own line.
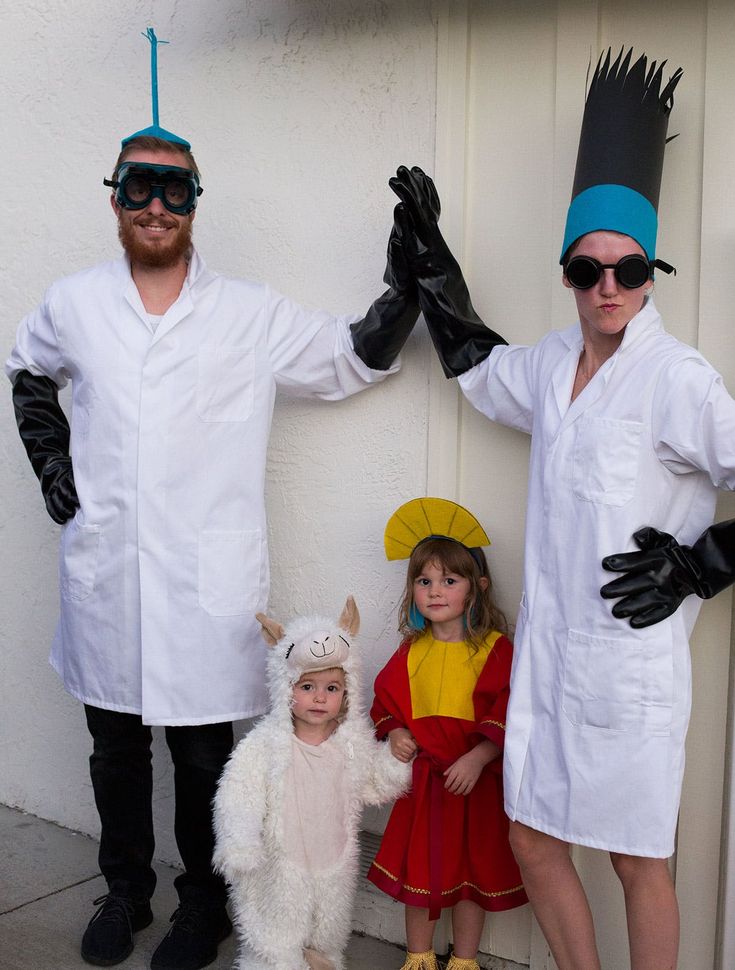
(448,892)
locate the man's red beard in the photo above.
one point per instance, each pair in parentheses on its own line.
(154,255)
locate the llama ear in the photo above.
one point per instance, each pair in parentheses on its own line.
(271,629)
(350,619)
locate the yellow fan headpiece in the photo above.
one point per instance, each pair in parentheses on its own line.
(422,518)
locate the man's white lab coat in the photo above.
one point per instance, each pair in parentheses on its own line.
(166,562)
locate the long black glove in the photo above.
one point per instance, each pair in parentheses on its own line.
(44,431)
(664,573)
(460,337)
(379,337)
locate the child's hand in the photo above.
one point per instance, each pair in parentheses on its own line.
(461,777)
(402,744)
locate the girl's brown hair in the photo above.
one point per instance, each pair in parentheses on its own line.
(482,614)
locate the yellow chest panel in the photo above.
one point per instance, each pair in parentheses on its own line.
(442,676)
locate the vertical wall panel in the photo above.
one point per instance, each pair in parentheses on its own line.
(702,831)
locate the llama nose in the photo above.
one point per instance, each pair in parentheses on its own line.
(321,648)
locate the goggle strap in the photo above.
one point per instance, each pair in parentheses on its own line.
(112,183)
(664,267)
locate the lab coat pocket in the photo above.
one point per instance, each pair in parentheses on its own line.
(619,683)
(229,566)
(606,460)
(79,552)
(225,383)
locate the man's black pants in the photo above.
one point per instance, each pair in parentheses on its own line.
(122,779)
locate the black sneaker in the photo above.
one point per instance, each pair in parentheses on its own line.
(191,943)
(108,938)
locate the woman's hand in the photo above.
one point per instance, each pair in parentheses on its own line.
(402,744)
(461,777)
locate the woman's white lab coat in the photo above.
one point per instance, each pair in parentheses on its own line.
(594,751)
(166,562)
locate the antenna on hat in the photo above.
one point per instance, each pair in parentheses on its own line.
(151,35)
(155,129)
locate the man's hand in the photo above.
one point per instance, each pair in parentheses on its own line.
(59,490)
(417,216)
(44,432)
(382,333)
(398,273)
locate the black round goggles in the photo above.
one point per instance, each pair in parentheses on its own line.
(137,184)
(631,271)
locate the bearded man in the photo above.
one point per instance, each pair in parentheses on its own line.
(159,485)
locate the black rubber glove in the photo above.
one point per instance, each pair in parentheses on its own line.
(460,337)
(379,337)
(44,431)
(664,573)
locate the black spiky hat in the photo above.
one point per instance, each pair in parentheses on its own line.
(617,179)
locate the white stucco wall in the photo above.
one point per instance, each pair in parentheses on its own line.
(298,113)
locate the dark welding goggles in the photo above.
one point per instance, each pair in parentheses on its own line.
(138,183)
(631,271)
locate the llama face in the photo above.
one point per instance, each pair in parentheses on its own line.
(312,643)
(317,650)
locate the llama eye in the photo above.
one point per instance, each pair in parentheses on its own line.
(346,642)
(288,652)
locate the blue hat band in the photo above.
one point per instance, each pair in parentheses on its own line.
(616,208)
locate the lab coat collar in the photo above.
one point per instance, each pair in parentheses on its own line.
(181,308)
(647,320)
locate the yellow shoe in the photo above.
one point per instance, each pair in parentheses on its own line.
(421,961)
(462,963)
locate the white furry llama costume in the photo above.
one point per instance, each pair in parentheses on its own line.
(289,918)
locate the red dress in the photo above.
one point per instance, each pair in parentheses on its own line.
(439,848)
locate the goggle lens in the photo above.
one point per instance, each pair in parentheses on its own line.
(176,193)
(137,189)
(631,271)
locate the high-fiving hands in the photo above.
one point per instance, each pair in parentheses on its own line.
(460,337)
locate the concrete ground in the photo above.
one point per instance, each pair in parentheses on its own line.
(48,880)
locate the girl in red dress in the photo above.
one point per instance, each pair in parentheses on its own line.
(441,701)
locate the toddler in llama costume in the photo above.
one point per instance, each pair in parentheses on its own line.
(288,806)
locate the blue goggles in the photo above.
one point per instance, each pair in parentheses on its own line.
(138,183)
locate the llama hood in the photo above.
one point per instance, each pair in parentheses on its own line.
(308,644)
